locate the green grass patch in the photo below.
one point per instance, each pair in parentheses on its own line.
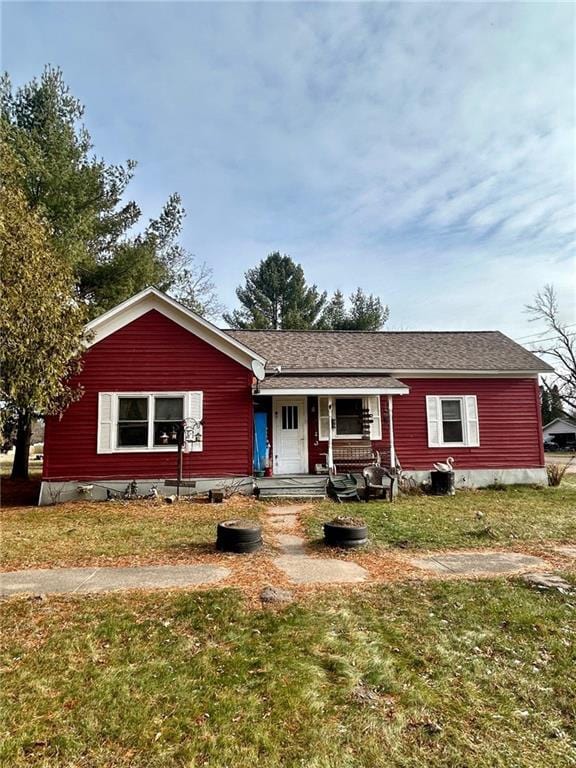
(443,674)
(468,519)
(104,533)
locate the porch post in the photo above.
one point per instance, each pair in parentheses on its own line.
(330,458)
(391,428)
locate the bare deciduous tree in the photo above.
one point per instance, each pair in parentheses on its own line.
(558,346)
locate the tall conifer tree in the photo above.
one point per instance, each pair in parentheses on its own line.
(275,296)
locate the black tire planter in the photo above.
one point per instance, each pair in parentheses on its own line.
(240,536)
(345,536)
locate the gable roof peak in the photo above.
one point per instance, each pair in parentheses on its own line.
(152,298)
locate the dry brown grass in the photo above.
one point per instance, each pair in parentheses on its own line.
(115,533)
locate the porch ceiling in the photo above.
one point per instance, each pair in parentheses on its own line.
(332,385)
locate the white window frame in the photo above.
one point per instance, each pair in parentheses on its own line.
(469,418)
(375,428)
(150,447)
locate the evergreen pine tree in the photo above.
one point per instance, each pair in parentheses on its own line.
(545,406)
(81,198)
(366,313)
(335,316)
(275,296)
(556,408)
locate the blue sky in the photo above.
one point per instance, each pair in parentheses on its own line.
(424,151)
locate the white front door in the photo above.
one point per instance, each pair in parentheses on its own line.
(290,435)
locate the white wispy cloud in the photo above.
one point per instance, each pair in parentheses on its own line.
(424,150)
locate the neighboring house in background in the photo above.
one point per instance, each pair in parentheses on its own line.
(561,431)
(416,397)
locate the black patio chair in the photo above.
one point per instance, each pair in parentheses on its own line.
(379,482)
(343,488)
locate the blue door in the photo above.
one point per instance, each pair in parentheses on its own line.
(260,440)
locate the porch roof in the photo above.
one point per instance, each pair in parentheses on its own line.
(332,385)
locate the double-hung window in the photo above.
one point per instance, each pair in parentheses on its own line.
(145,421)
(452,420)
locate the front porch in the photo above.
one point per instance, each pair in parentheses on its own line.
(311,426)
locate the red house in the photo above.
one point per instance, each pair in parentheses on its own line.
(297,401)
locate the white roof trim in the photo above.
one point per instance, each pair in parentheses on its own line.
(447,374)
(151,298)
(563,420)
(337,391)
(404,373)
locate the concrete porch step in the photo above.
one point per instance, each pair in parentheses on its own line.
(291,480)
(300,487)
(292,493)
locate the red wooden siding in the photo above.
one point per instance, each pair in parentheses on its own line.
(509,423)
(155,354)
(508,416)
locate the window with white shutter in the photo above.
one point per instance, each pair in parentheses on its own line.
(323,418)
(433,416)
(347,416)
(452,420)
(195,411)
(146,421)
(472,428)
(372,403)
(105,442)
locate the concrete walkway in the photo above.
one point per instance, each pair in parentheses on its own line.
(86,580)
(294,562)
(299,567)
(470,563)
(568,550)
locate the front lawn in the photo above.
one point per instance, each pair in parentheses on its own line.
(423,676)
(113,533)
(518,514)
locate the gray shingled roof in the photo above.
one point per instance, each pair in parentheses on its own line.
(327,382)
(391,350)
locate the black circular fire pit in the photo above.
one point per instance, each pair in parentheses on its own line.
(240,536)
(345,532)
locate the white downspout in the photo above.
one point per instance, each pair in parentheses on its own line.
(391,427)
(330,453)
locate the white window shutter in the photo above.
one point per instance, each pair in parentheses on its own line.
(373,405)
(323,418)
(105,441)
(434,417)
(195,406)
(472,430)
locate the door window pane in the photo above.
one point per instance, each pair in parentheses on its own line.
(349,416)
(452,421)
(289,417)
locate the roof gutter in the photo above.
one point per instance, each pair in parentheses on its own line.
(408,372)
(336,391)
